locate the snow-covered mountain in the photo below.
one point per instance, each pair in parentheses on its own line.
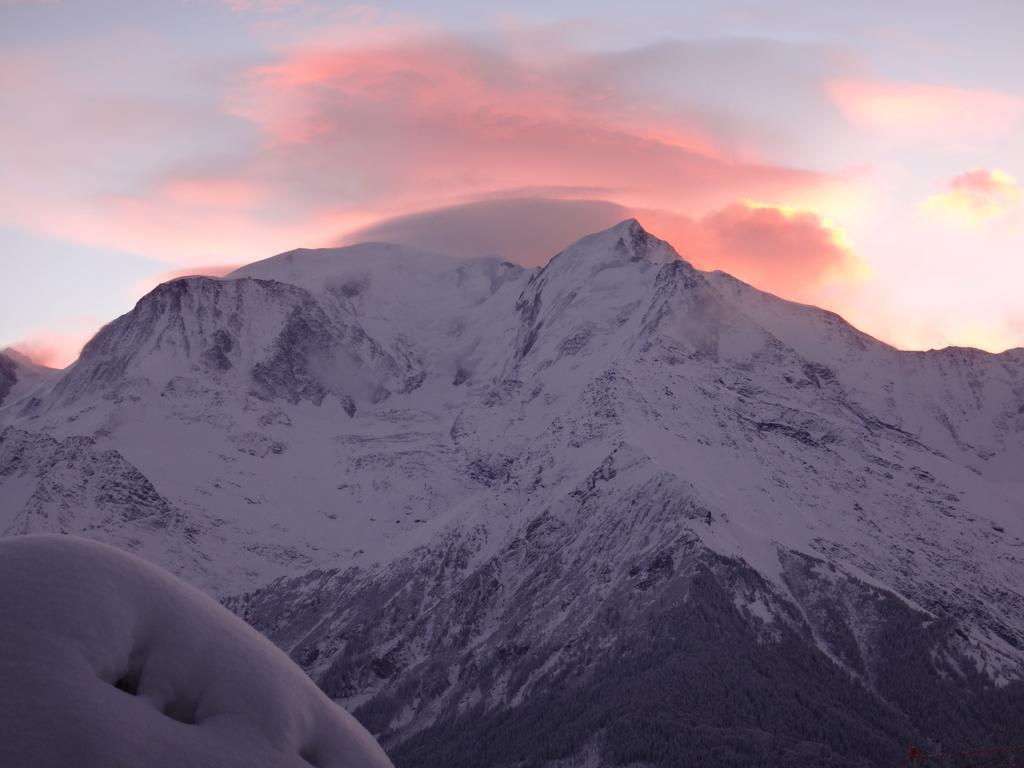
(614,510)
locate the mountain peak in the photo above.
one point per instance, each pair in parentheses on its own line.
(626,241)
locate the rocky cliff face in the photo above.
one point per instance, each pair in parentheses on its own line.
(611,511)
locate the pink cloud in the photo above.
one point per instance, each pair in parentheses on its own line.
(57,347)
(777,247)
(438,119)
(790,252)
(910,111)
(977,197)
(985,182)
(212,192)
(335,137)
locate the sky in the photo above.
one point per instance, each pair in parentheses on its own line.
(865,157)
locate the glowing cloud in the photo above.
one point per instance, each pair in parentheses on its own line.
(923,112)
(977,197)
(439,119)
(332,136)
(781,246)
(57,348)
(791,252)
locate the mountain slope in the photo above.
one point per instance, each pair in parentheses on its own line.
(508,502)
(227,396)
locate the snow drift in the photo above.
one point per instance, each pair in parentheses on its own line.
(107,661)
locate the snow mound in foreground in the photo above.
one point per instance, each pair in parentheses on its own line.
(108,661)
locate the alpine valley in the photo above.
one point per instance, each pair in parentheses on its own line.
(614,511)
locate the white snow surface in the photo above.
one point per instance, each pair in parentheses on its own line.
(198,686)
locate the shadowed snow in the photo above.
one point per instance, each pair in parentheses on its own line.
(109,662)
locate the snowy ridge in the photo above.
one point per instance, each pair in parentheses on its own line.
(480,485)
(19,376)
